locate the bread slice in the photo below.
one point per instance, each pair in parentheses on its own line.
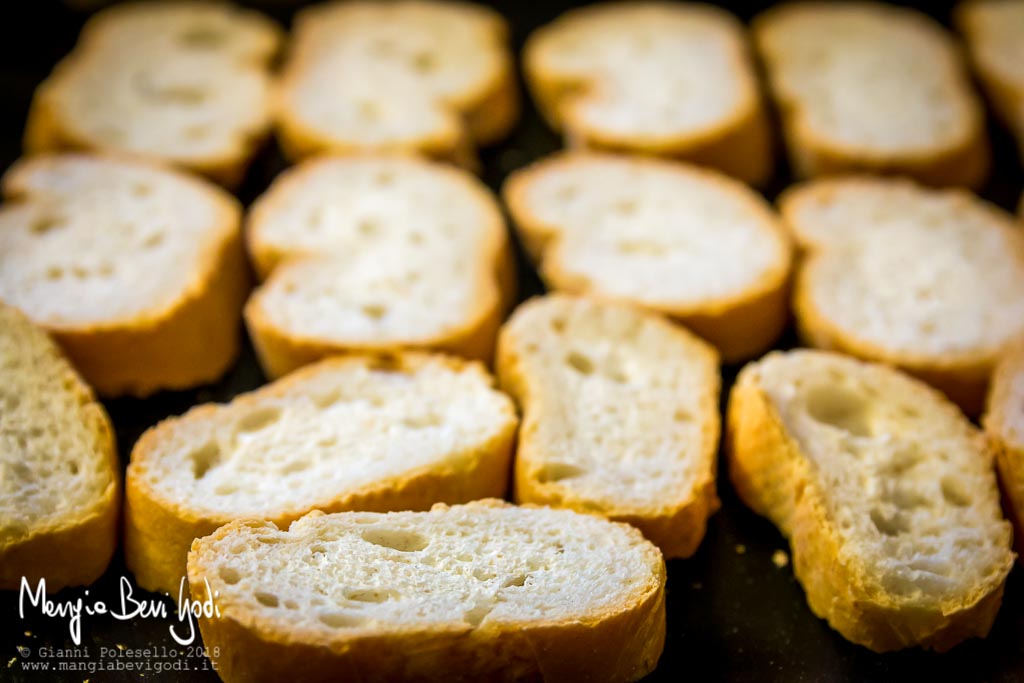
(60,488)
(484,591)
(687,242)
(425,76)
(662,78)
(994,32)
(358,433)
(885,491)
(620,416)
(180,81)
(1004,425)
(862,86)
(138,271)
(928,280)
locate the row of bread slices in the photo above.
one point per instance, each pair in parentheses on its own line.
(140,273)
(885,490)
(859,86)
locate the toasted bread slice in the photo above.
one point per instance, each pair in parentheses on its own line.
(688,242)
(886,493)
(928,280)
(138,271)
(620,416)
(994,31)
(60,485)
(425,76)
(862,86)
(180,81)
(357,433)
(662,78)
(1004,424)
(484,591)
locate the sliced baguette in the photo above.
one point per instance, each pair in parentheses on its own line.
(358,433)
(688,242)
(180,81)
(886,493)
(1004,425)
(137,271)
(662,78)
(862,86)
(484,591)
(928,280)
(994,32)
(620,416)
(425,76)
(60,485)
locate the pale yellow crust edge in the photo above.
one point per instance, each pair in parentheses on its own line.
(621,644)
(1001,412)
(740,326)
(159,530)
(770,476)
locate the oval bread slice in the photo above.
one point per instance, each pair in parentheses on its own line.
(886,493)
(620,416)
(357,433)
(875,88)
(183,82)
(60,485)
(137,270)
(484,591)
(928,280)
(422,76)
(688,242)
(1004,424)
(663,78)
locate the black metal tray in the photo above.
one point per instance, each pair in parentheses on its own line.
(733,613)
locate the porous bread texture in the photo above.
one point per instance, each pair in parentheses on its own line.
(355,433)
(620,416)
(862,86)
(688,242)
(182,82)
(927,280)
(138,271)
(994,33)
(885,491)
(376,253)
(60,491)
(424,76)
(484,591)
(662,78)
(1004,425)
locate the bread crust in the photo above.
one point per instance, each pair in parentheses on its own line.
(620,644)
(159,530)
(962,161)
(1003,414)
(193,340)
(739,144)
(76,550)
(772,477)
(739,325)
(482,115)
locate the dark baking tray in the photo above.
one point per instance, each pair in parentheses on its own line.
(733,614)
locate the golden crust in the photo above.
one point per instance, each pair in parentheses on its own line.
(621,644)
(1004,426)
(740,325)
(772,477)
(160,530)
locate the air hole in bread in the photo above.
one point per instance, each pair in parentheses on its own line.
(903,459)
(73,467)
(905,498)
(105,270)
(326,399)
(142,190)
(259,418)
(205,458)
(183,94)
(374,595)
(481,574)
(267,599)
(291,604)
(374,311)
(44,224)
(517,580)
(927,327)
(558,325)
(54,273)
(296,466)
(402,540)
(154,240)
(476,615)
(626,207)
(889,525)
(580,362)
(953,492)
(416,238)
(368,226)
(384,363)
(202,38)
(424,62)
(840,407)
(369,110)
(341,619)
(384,178)
(197,132)
(641,247)
(226,489)
(317,549)
(681,415)
(423,421)
(558,471)
(327,441)
(270,540)
(230,575)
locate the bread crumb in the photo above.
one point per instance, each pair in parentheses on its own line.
(741,549)
(120,646)
(11,661)
(28,634)
(780,559)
